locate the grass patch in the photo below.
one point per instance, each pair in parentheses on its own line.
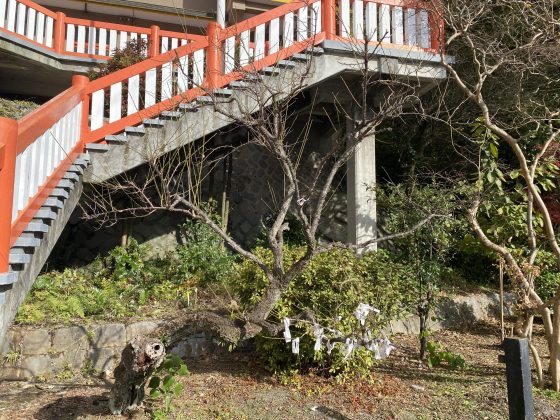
(15,108)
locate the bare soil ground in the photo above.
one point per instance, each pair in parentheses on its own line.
(236,387)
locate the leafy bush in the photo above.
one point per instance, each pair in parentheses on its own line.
(133,52)
(332,286)
(164,384)
(438,355)
(203,259)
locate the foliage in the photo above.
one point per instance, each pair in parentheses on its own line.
(294,235)
(203,258)
(165,386)
(133,52)
(331,286)
(437,355)
(16,108)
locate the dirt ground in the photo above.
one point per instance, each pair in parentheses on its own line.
(236,387)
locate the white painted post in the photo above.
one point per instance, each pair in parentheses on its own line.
(133,102)
(115,106)
(244,48)
(302,25)
(2,13)
(411,27)
(371,21)
(384,23)
(259,41)
(229,59)
(274,36)
(316,18)
(97,109)
(150,91)
(31,24)
(198,67)
(40,35)
(49,32)
(81,47)
(102,43)
(112,41)
(221,13)
(358,19)
(183,74)
(398,26)
(92,40)
(12,7)
(20,29)
(345,18)
(123,39)
(70,35)
(288,29)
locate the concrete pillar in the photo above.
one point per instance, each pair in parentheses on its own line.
(361,203)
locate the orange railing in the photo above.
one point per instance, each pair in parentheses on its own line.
(79,37)
(36,151)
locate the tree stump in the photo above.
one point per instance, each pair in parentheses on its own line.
(139,360)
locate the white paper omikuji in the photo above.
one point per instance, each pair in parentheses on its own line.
(287,335)
(349,348)
(363,310)
(385,348)
(330,347)
(374,348)
(295,345)
(318,333)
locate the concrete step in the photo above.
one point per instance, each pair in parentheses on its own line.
(137,131)
(97,147)
(45,214)
(60,193)
(238,84)
(23,242)
(77,169)
(154,122)
(171,115)
(71,176)
(205,100)
(116,139)
(66,184)
(5,280)
(53,202)
(37,227)
(271,71)
(188,107)
(19,259)
(286,64)
(222,92)
(82,160)
(315,50)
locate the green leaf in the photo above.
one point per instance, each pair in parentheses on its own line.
(154,382)
(177,389)
(168,382)
(493,150)
(183,370)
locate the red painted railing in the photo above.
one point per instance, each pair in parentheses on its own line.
(36,151)
(79,37)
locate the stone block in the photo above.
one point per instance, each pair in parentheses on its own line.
(33,366)
(75,359)
(102,359)
(109,335)
(140,328)
(10,343)
(10,373)
(36,342)
(65,339)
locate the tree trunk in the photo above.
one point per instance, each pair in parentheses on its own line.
(555,353)
(423,334)
(139,360)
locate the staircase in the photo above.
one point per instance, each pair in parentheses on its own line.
(108,124)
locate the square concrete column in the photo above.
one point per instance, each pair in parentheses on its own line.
(361,202)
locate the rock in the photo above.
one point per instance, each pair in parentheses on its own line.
(102,359)
(36,342)
(33,366)
(109,335)
(73,358)
(139,359)
(69,338)
(143,328)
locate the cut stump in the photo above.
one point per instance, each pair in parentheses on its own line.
(139,359)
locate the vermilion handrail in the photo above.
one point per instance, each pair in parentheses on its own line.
(38,8)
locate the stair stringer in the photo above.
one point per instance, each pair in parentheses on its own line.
(15,293)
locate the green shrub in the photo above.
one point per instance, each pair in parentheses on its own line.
(438,356)
(332,286)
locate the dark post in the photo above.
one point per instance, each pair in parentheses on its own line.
(518,372)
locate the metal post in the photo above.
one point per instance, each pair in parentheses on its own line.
(518,372)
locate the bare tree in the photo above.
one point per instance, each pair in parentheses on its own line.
(508,57)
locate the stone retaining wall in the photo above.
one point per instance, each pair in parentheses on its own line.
(29,352)
(42,352)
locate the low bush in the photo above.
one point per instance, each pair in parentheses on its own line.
(332,286)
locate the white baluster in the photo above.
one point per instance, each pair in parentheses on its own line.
(41,166)
(164,44)
(12,7)
(2,13)
(198,67)
(398,26)
(288,29)
(371,21)
(144,37)
(49,32)
(150,91)
(259,41)
(174,43)
(133,36)
(183,74)
(302,25)
(244,48)
(424,23)
(115,107)
(133,103)
(97,109)
(92,41)
(384,33)
(358,19)
(40,35)
(274,36)
(20,28)
(32,169)
(70,35)
(316,18)
(81,47)
(31,16)
(345,18)
(411,28)
(102,43)
(229,59)
(17,182)
(22,184)
(166,75)
(123,39)
(112,41)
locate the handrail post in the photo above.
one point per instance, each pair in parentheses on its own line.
(214,56)
(154,41)
(328,9)
(82,81)
(8,152)
(59,32)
